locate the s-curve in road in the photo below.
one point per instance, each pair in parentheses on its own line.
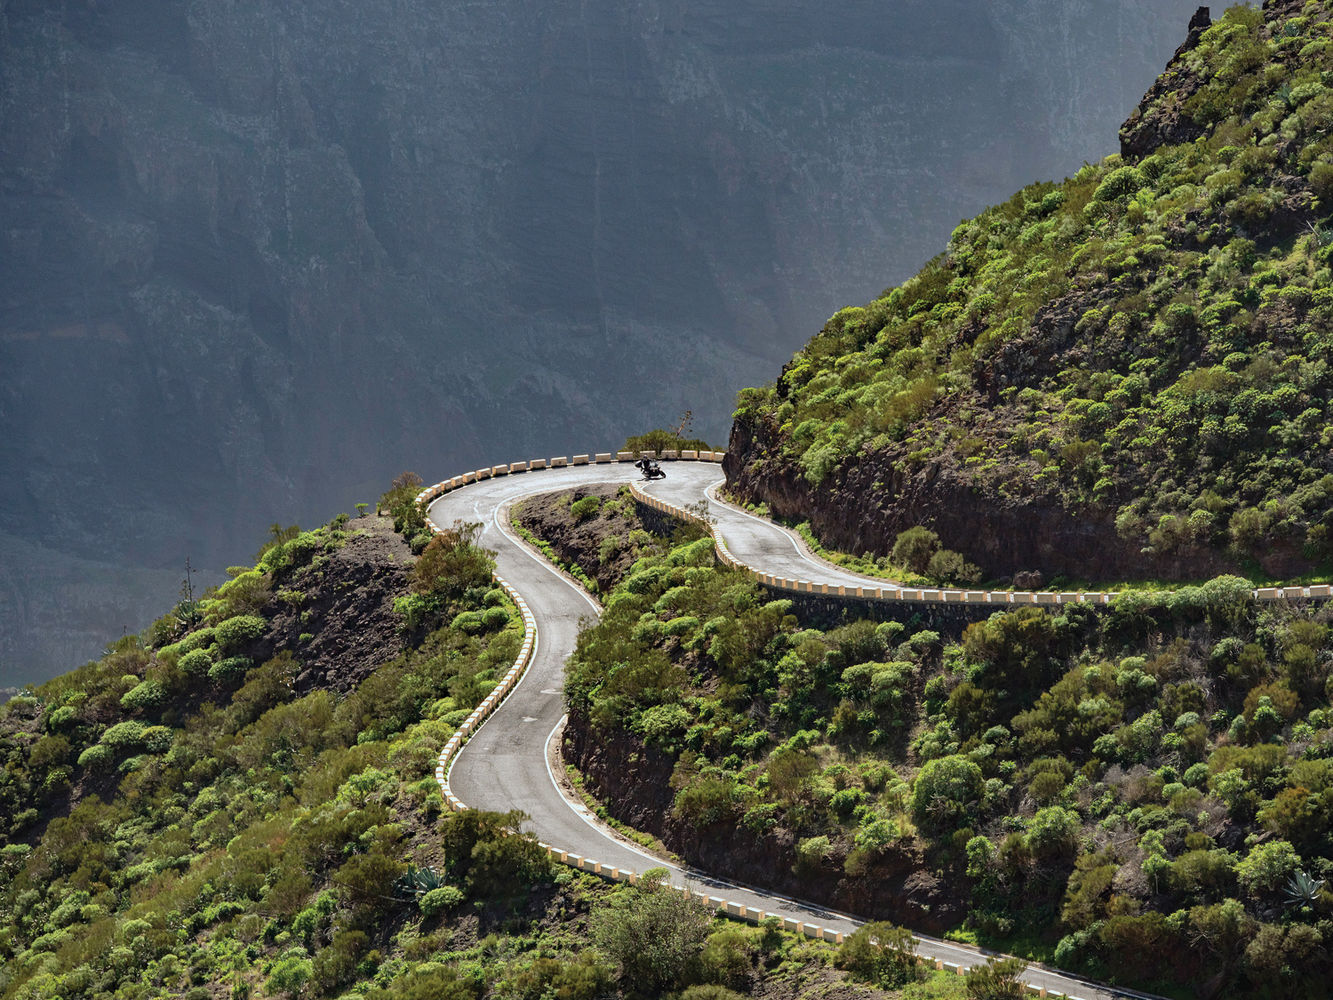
(755,541)
(506,765)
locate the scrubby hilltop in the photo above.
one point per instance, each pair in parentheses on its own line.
(1122,375)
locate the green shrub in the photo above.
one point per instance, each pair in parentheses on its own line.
(946,791)
(881,953)
(584,978)
(400,500)
(446,897)
(915,547)
(655,937)
(948,566)
(470,622)
(1321,180)
(195,663)
(1053,832)
(998,979)
(811,853)
(728,957)
(124,734)
(157,739)
(1268,867)
(229,669)
(663,725)
(487,858)
(239,630)
(585,508)
(452,562)
(708,799)
(143,697)
(198,639)
(1119,183)
(681,626)
(290,973)
(710,991)
(66,716)
(96,757)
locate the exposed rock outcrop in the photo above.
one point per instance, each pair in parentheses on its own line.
(634,781)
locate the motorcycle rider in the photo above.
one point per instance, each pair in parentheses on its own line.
(649,468)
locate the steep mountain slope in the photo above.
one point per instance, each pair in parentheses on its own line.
(256,257)
(241,802)
(1123,375)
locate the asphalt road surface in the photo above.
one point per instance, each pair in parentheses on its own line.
(507,764)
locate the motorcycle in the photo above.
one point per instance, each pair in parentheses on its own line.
(650,469)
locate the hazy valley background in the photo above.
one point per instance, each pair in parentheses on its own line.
(255,259)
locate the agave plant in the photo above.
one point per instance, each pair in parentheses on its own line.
(418,881)
(1303,890)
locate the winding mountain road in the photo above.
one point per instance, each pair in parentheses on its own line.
(509,763)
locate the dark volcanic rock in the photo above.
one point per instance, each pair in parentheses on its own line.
(634,782)
(1157,121)
(346,609)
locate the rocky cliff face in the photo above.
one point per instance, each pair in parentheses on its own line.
(864,504)
(259,258)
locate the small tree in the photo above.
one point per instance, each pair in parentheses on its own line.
(998,979)
(656,936)
(914,547)
(883,954)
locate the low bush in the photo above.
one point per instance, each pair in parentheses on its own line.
(883,954)
(238,631)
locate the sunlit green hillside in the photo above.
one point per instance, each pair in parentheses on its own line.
(1136,359)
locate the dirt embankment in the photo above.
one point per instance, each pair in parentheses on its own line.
(593,528)
(337,617)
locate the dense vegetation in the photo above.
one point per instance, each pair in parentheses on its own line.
(192,815)
(1144,347)
(181,816)
(1096,788)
